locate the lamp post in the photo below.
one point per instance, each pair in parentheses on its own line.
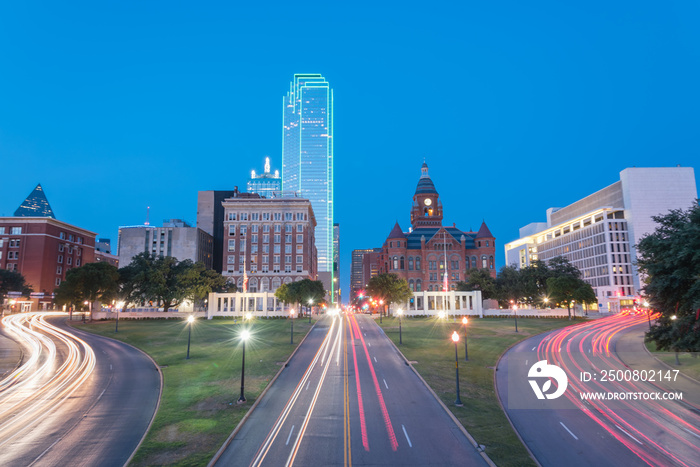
(190,320)
(673,318)
(546,300)
(84,303)
(381,310)
(646,304)
(244,337)
(455,339)
(466,351)
(311,302)
(515,313)
(291,317)
(116,324)
(400,312)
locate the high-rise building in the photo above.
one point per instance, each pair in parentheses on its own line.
(36,205)
(307,159)
(210,218)
(265,184)
(599,233)
(175,238)
(357,280)
(336,263)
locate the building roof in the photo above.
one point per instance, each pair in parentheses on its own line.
(396,232)
(425,184)
(484,231)
(36,205)
(414,237)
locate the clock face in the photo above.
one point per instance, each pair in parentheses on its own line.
(428,201)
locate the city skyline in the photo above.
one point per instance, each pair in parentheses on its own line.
(115,108)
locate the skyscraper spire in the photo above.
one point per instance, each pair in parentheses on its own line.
(35,205)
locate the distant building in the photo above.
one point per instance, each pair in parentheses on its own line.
(174,238)
(358,277)
(103,245)
(43,249)
(431,256)
(103,252)
(35,205)
(599,233)
(210,218)
(268,241)
(307,158)
(336,262)
(265,184)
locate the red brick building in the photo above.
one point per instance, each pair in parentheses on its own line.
(43,249)
(431,255)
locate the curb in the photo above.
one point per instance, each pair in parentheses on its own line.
(233,434)
(667,365)
(464,431)
(160,393)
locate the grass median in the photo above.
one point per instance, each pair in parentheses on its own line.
(427,342)
(198,409)
(688,363)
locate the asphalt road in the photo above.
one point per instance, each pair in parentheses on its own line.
(347,397)
(85,401)
(568,430)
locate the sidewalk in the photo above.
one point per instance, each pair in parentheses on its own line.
(10,355)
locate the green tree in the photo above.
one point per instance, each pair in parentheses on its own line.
(390,288)
(479,279)
(509,285)
(301,292)
(11,281)
(199,282)
(669,258)
(566,289)
(92,282)
(534,282)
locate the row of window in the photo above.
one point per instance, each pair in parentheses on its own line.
(69,260)
(266,240)
(266,216)
(264,269)
(397,263)
(13,230)
(231,259)
(243,229)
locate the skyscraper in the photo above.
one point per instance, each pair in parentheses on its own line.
(265,184)
(307,159)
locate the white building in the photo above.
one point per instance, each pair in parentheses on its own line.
(599,233)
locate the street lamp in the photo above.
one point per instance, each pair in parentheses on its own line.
(291,317)
(466,351)
(515,313)
(646,304)
(400,312)
(190,320)
(245,334)
(441,314)
(546,300)
(116,324)
(311,302)
(381,310)
(455,339)
(84,303)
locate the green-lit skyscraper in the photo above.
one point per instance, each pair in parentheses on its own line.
(307,158)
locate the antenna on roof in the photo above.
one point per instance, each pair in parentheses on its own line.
(148,215)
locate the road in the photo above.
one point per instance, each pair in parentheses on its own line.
(633,430)
(348,398)
(76,399)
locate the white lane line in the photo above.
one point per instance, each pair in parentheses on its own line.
(369,344)
(569,431)
(387,386)
(625,432)
(375,360)
(691,433)
(534,347)
(407,438)
(526,362)
(290,435)
(110,367)
(307,385)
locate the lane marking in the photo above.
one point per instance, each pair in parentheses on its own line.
(534,347)
(369,344)
(290,435)
(562,424)
(307,385)
(625,432)
(375,360)
(407,438)
(387,386)
(691,433)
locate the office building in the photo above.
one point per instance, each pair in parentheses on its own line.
(35,205)
(269,241)
(364,267)
(174,238)
(307,159)
(265,184)
(430,256)
(210,218)
(336,263)
(599,233)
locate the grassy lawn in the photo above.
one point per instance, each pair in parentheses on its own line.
(689,363)
(198,408)
(428,343)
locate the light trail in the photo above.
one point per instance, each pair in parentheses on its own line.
(634,424)
(39,386)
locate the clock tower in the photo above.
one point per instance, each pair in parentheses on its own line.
(427,208)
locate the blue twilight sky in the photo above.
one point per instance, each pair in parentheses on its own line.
(516,106)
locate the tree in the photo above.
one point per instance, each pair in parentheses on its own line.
(669,258)
(91,282)
(199,282)
(534,282)
(301,292)
(509,286)
(566,289)
(479,279)
(390,288)
(11,281)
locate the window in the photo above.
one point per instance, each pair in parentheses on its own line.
(278,238)
(70,237)
(69,261)
(401,263)
(300,238)
(300,227)
(254,216)
(231,245)
(80,240)
(484,264)
(418,284)
(277,249)
(266,238)
(243,230)
(288,248)
(60,259)
(300,259)
(396,262)
(288,258)
(266,248)
(410,264)
(13,255)
(254,239)
(244,216)
(231,259)
(288,228)
(300,268)
(287,268)
(14,243)
(241,245)
(266,216)
(288,239)
(58,281)
(79,251)
(417,267)
(276,259)
(2,230)
(254,228)
(278,228)
(77,262)
(17,231)
(59,269)
(278,216)
(254,248)
(288,216)
(241,259)
(266,260)
(232,216)
(487,243)
(61,235)
(231,230)
(266,228)
(300,216)
(300,248)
